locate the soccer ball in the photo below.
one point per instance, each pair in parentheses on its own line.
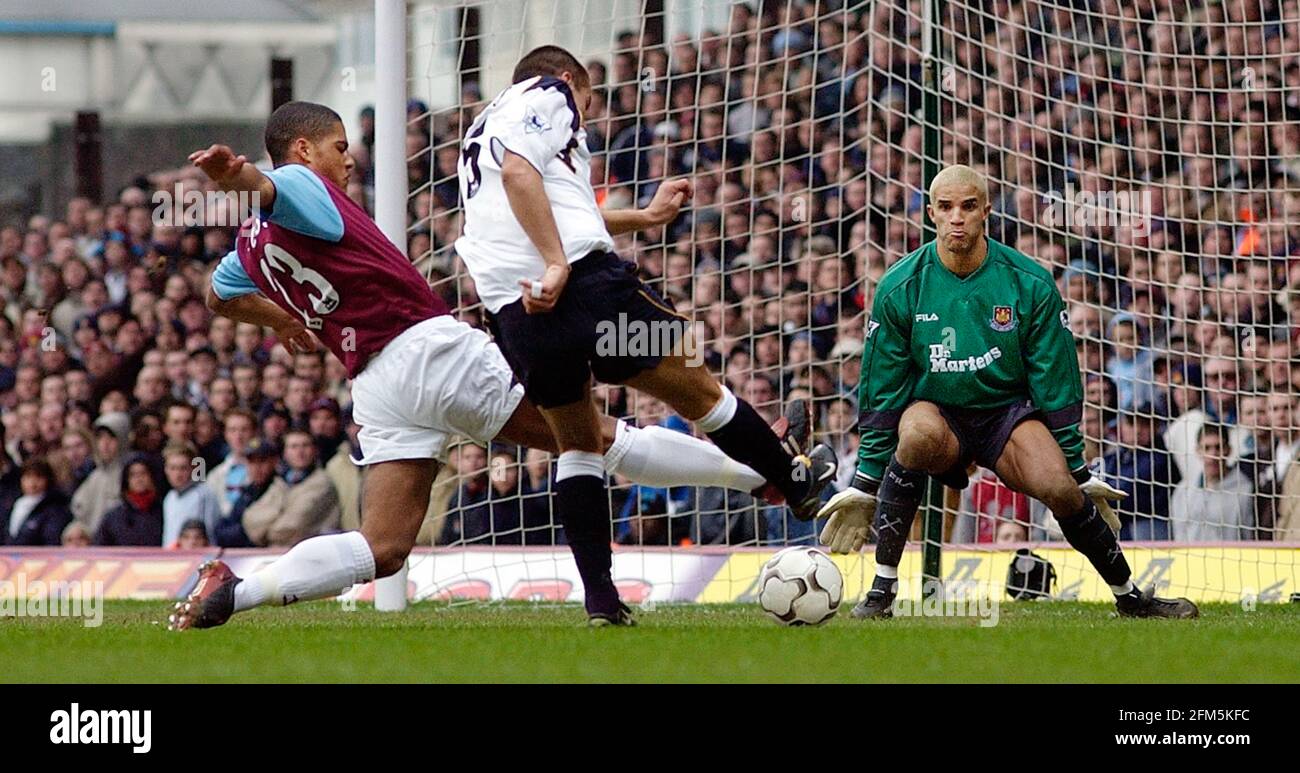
(800,586)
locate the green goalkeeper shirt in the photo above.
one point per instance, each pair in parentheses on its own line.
(995,337)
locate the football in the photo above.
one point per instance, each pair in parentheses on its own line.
(800,586)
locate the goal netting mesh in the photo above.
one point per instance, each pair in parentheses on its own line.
(1146,153)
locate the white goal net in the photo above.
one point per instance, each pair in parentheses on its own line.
(1147,153)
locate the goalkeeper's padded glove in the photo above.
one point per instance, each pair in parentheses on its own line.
(1102,494)
(851,513)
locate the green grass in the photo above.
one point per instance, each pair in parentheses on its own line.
(321,642)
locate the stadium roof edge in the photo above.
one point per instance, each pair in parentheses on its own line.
(44,28)
(102,11)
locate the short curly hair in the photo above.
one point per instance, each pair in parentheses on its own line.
(293,120)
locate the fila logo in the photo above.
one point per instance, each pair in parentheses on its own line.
(898,480)
(927,317)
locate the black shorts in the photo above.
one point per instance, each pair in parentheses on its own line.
(555,354)
(982,434)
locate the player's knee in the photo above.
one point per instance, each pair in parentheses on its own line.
(921,445)
(1064,499)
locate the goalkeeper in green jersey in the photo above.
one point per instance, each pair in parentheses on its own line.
(968,357)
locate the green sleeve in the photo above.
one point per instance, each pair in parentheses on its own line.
(886,384)
(1052,365)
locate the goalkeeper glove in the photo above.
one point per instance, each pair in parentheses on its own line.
(1102,494)
(851,513)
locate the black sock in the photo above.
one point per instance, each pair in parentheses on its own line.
(748,439)
(884,584)
(900,495)
(1088,533)
(584,511)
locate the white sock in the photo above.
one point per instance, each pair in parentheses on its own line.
(721,413)
(659,457)
(1120,590)
(888,572)
(316,568)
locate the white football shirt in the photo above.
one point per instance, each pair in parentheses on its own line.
(538,120)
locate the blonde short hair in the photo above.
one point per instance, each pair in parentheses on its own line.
(960,174)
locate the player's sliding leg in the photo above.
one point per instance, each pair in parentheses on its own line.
(736,428)
(926,445)
(1032,463)
(651,456)
(664,458)
(393,504)
(580,497)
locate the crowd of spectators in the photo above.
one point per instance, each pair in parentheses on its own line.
(132,416)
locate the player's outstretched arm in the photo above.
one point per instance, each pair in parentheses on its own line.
(1052,371)
(886,382)
(256,309)
(884,390)
(234,173)
(1057,390)
(663,209)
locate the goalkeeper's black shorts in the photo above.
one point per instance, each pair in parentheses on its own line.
(982,434)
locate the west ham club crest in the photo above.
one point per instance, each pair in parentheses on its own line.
(1004,319)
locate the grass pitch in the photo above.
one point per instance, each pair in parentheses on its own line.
(322,642)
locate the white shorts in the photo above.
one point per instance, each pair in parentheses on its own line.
(437,380)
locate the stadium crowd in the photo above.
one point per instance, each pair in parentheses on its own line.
(133,416)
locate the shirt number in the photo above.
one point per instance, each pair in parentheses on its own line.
(277,261)
(469,158)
